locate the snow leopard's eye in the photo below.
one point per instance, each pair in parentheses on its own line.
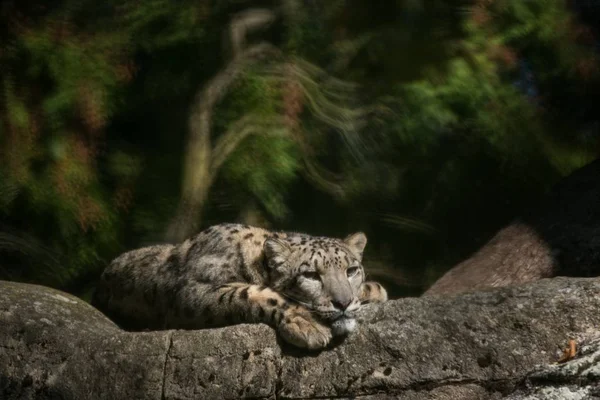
(350,272)
(312,275)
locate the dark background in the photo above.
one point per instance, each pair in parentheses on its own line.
(427,124)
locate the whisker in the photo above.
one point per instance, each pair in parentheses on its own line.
(302,303)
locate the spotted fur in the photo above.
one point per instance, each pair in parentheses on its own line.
(308,288)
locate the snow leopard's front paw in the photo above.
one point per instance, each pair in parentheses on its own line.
(372,292)
(299,328)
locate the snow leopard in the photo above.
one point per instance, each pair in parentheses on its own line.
(308,288)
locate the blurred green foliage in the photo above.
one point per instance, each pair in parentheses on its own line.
(426,123)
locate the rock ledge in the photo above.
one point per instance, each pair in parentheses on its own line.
(484,345)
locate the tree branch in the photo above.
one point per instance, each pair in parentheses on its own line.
(199,145)
(197,173)
(238,132)
(246,22)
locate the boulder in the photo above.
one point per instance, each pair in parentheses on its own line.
(484,345)
(560,236)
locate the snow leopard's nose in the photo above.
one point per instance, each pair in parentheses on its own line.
(341,304)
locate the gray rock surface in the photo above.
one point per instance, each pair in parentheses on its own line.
(483,345)
(579,379)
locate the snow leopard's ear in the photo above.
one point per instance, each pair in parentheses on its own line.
(357,242)
(277,252)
